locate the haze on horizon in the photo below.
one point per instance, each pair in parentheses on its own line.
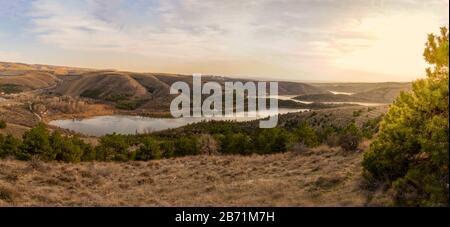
(299,40)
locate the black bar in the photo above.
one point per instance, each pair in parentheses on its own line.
(284,216)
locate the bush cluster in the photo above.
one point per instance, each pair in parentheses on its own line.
(2,124)
(39,143)
(228,139)
(10,88)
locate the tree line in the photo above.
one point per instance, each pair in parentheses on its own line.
(214,137)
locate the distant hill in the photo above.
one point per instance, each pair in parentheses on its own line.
(25,77)
(27,80)
(18,68)
(131,90)
(147,90)
(361,87)
(127,89)
(101,85)
(358,92)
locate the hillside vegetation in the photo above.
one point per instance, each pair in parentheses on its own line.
(125,90)
(15,68)
(25,81)
(295,132)
(360,87)
(315,158)
(360,92)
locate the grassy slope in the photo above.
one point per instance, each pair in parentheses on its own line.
(363,92)
(14,129)
(76,81)
(339,117)
(103,83)
(29,80)
(360,87)
(319,177)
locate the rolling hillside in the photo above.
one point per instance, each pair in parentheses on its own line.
(361,87)
(11,67)
(27,80)
(134,91)
(101,85)
(358,92)
(125,89)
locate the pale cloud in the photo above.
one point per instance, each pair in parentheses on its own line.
(257,37)
(10,56)
(193,29)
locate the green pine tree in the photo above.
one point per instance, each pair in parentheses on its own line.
(36,143)
(411,150)
(148,150)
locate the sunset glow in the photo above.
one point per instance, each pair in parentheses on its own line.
(290,40)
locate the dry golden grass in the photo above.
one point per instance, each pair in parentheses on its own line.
(15,130)
(339,117)
(320,177)
(104,83)
(18,115)
(29,80)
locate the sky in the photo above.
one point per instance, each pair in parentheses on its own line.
(298,40)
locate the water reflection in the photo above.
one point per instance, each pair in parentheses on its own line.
(123,124)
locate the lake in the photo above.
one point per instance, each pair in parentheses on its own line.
(124,124)
(341,93)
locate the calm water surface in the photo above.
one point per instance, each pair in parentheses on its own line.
(123,124)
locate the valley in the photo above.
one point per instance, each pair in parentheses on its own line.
(34,93)
(257,104)
(221,169)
